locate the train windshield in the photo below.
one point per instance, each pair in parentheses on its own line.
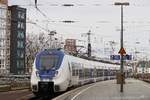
(49,61)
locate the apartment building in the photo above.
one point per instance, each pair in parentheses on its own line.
(17,39)
(4,69)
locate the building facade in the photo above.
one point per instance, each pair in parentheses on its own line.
(4,2)
(8,40)
(4,69)
(17,39)
(70,46)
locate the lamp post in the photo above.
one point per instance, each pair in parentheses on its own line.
(121,42)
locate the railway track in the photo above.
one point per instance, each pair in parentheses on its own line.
(14,95)
(27,94)
(67,95)
(57,96)
(32,97)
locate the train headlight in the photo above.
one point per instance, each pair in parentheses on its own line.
(37,73)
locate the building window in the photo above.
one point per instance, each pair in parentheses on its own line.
(21,15)
(20,54)
(1,43)
(21,25)
(2,53)
(20,64)
(20,44)
(3,12)
(20,35)
(2,63)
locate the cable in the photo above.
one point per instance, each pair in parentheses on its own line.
(34,23)
(82,5)
(42,13)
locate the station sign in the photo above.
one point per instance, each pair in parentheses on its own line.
(114,57)
(118,57)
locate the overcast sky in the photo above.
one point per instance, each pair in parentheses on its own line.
(99,16)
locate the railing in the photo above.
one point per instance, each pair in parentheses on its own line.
(8,83)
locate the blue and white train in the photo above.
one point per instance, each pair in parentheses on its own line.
(55,71)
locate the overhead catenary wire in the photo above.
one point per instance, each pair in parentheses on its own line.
(81,4)
(35,3)
(67,21)
(34,23)
(58,22)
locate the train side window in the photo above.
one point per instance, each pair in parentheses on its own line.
(73,68)
(73,72)
(77,72)
(80,73)
(91,73)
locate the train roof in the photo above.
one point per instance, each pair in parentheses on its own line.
(61,51)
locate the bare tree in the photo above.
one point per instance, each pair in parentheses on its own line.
(33,46)
(36,43)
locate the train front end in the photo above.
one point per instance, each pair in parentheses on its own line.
(45,68)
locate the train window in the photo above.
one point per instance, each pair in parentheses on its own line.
(99,72)
(48,61)
(106,72)
(73,72)
(94,72)
(75,68)
(91,73)
(77,72)
(86,73)
(110,72)
(81,73)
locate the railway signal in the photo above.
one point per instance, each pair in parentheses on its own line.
(89,43)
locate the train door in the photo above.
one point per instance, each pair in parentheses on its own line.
(75,77)
(70,74)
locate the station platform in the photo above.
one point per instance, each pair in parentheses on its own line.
(109,90)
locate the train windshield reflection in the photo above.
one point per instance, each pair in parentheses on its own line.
(48,61)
